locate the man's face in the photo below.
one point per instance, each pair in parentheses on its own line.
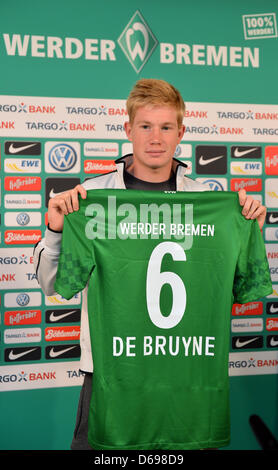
(154,134)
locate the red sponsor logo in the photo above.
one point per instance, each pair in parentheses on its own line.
(18,237)
(272,116)
(250,308)
(41,109)
(7,124)
(63,333)
(42,376)
(117,111)
(23,317)
(272,324)
(196,114)
(267,363)
(22,183)
(231,130)
(249,184)
(271,160)
(7,277)
(99,166)
(73,126)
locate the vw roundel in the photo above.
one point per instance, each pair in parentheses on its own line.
(62,157)
(23,299)
(23,218)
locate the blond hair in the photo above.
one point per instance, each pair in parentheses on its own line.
(149,91)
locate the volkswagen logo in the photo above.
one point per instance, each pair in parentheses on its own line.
(23,218)
(214,185)
(62,157)
(23,299)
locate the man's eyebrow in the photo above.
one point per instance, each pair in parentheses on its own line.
(168,123)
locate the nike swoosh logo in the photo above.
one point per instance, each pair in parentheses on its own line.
(240,344)
(240,153)
(53,194)
(13,356)
(273,343)
(202,161)
(272,219)
(273,309)
(13,149)
(53,353)
(53,317)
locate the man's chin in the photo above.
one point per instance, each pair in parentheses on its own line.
(157,162)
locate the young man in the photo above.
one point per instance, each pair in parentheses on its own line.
(155,128)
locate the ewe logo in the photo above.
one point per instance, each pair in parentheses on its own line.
(137,41)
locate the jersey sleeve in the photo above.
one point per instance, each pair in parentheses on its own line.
(76,261)
(252,277)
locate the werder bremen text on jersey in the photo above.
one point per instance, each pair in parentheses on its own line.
(145,221)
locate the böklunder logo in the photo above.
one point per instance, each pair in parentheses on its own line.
(99,166)
(15,237)
(272,324)
(64,333)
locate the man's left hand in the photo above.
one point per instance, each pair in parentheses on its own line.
(252,209)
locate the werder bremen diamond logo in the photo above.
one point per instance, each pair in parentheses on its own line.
(137,41)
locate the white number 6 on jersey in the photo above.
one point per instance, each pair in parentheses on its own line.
(155,281)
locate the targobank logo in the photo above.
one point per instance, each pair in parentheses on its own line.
(137,41)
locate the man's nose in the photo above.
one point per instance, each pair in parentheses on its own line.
(155,135)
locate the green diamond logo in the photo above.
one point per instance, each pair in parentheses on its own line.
(137,41)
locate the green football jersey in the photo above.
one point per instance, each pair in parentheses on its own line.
(163,270)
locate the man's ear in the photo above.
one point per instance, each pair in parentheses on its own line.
(181,132)
(127,127)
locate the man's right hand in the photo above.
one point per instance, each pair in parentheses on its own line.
(63,204)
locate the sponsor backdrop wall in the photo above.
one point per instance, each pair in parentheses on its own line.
(66,70)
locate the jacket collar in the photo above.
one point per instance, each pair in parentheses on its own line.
(178,167)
